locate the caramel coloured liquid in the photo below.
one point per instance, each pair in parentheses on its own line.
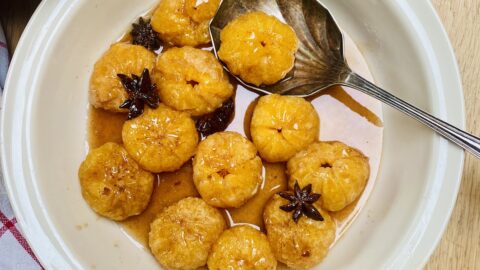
(171,187)
(345,115)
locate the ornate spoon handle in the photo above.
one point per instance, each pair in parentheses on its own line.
(461,138)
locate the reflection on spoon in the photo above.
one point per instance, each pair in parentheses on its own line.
(320,61)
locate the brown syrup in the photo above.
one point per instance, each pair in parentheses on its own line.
(336,105)
(171,187)
(345,106)
(339,94)
(274,181)
(104,126)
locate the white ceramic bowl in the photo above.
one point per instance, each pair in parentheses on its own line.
(44,118)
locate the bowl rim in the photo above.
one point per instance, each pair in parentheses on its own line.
(28,48)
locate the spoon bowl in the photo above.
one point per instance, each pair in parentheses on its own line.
(320,61)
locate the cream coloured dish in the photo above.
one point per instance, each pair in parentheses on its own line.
(45,120)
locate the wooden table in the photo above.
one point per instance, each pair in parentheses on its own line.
(460,246)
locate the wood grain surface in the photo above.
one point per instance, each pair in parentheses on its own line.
(14,15)
(460,246)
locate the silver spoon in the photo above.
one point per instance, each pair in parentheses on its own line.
(320,63)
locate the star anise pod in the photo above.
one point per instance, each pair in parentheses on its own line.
(301,202)
(217,120)
(143,34)
(140,91)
